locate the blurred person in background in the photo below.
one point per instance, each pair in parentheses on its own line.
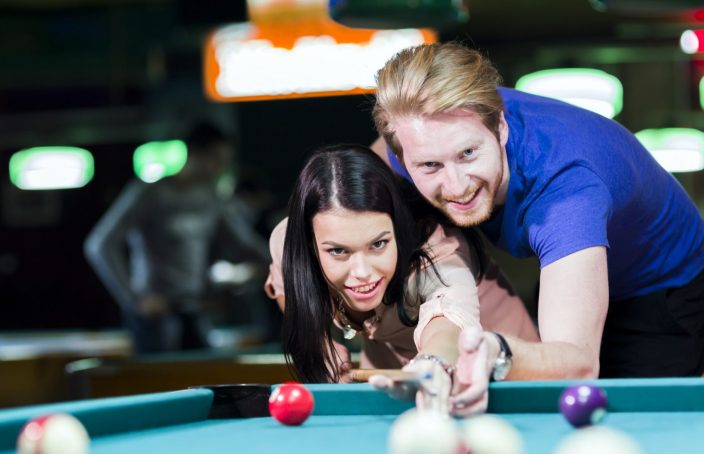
(168,229)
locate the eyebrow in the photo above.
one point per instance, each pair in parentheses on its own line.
(374,240)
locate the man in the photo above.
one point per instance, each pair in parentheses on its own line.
(620,244)
(169,228)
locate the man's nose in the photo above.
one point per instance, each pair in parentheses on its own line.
(454,183)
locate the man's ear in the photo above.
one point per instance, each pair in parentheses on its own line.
(503,130)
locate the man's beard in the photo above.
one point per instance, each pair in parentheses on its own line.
(475,216)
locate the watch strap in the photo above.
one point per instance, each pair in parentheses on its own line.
(504,345)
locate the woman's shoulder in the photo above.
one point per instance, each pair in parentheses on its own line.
(446,241)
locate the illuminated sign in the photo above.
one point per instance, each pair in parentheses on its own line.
(590,89)
(156,160)
(292,49)
(676,149)
(51,168)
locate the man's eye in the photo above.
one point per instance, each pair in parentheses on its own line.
(468,152)
(430,165)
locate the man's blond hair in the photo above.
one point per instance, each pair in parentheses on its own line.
(435,78)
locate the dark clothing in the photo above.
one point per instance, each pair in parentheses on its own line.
(656,335)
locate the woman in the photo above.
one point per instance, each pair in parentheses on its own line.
(354,256)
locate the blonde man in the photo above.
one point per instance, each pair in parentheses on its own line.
(620,244)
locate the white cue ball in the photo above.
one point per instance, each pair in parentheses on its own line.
(601,439)
(491,434)
(423,432)
(53,434)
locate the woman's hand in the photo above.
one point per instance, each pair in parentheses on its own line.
(435,384)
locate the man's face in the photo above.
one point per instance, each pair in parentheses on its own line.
(456,163)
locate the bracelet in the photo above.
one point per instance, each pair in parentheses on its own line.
(447,367)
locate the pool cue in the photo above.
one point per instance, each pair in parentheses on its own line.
(362,375)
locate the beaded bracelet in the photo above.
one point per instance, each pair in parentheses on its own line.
(447,367)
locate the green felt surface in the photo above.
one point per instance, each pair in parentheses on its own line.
(662,415)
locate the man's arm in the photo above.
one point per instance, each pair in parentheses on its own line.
(103,248)
(572,306)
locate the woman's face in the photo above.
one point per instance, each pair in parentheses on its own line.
(358,254)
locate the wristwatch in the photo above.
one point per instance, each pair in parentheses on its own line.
(504,361)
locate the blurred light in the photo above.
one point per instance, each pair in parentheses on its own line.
(701,92)
(692,41)
(224,272)
(438,14)
(676,149)
(51,168)
(292,49)
(591,89)
(156,160)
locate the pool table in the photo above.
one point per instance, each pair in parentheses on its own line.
(662,415)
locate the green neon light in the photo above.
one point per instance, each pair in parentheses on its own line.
(51,167)
(676,149)
(589,88)
(156,160)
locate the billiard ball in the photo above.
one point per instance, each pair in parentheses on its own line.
(423,432)
(291,403)
(490,434)
(583,405)
(601,439)
(58,433)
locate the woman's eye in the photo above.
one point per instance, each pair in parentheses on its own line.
(468,152)
(336,251)
(379,244)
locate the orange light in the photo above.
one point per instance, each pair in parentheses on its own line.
(293,49)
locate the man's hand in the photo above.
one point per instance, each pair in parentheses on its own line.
(474,365)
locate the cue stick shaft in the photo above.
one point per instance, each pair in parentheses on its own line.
(362,375)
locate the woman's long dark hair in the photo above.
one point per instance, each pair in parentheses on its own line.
(356,179)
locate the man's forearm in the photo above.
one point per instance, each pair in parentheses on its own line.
(551,361)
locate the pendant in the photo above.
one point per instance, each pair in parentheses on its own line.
(348,332)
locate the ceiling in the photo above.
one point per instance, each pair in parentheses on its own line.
(100,62)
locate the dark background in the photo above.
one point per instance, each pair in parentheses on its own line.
(108,75)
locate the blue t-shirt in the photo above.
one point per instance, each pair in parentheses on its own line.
(578,180)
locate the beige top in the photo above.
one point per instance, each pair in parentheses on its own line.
(388,343)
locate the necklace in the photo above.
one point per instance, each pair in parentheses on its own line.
(347,331)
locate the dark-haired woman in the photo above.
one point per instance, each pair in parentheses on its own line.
(352,255)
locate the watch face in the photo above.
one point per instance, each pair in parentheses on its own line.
(502,368)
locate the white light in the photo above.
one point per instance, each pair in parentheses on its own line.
(604,108)
(689,42)
(56,170)
(587,88)
(152,172)
(675,149)
(314,64)
(679,160)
